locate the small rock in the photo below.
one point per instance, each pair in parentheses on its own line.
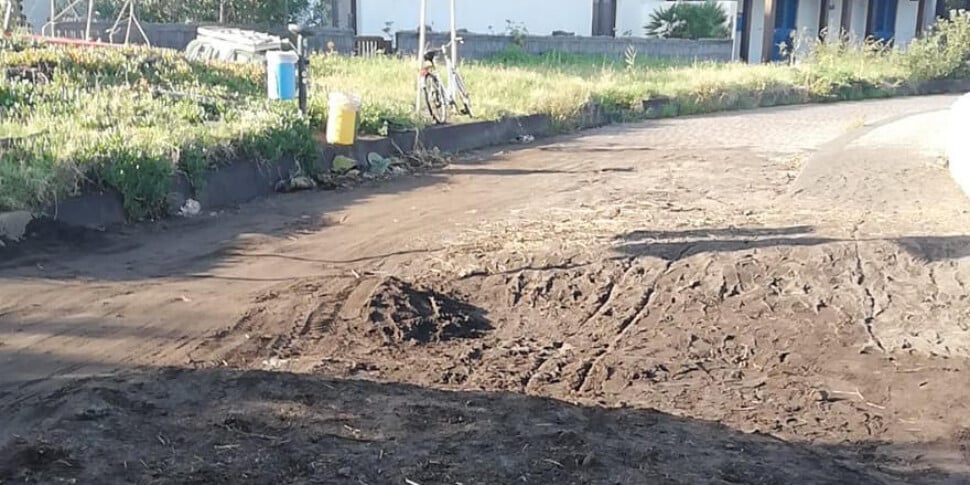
(191,208)
(92,414)
(589,460)
(344,472)
(13,225)
(275,362)
(821,395)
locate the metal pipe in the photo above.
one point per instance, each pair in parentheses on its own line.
(53,22)
(454,36)
(301,72)
(7,12)
(87,26)
(423,17)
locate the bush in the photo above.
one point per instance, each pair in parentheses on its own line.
(128,119)
(944,53)
(689,20)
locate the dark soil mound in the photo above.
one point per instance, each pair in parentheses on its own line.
(405,313)
(23,460)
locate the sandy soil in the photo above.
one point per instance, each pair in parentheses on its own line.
(776,296)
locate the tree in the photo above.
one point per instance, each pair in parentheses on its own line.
(689,20)
(242,12)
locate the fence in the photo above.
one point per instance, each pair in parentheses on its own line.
(478,46)
(178,36)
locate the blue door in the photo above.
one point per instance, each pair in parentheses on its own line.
(786,13)
(882,20)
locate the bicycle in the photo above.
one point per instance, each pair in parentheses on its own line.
(438,98)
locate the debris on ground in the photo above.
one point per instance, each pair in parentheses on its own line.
(377,164)
(294,184)
(343,164)
(190,208)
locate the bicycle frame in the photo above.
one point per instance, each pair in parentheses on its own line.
(451,91)
(450,70)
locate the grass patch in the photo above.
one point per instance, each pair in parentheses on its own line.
(129,119)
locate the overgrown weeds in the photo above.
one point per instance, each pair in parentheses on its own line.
(129,119)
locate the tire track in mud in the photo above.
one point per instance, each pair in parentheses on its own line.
(745,336)
(641,309)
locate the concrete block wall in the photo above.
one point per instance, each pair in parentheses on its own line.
(178,36)
(478,46)
(170,36)
(958,144)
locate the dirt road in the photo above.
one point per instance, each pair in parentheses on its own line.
(773,296)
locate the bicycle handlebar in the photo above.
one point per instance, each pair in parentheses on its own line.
(460,40)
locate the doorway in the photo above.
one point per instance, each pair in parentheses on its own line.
(882,21)
(786,18)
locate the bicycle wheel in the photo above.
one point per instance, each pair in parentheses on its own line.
(434,98)
(462,101)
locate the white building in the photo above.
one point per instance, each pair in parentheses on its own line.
(761,24)
(539,17)
(767,23)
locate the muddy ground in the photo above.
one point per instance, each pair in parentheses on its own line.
(637,304)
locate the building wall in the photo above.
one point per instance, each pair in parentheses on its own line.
(860,10)
(807,21)
(478,46)
(834,26)
(540,17)
(906,12)
(38,12)
(756,39)
(178,36)
(929,15)
(633,15)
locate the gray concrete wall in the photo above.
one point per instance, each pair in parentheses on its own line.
(178,36)
(479,46)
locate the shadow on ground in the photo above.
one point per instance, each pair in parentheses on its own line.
(677,245)
(180,246)
(231,426)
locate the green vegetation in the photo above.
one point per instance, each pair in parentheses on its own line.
(689,20)
(129,119)
(247,12)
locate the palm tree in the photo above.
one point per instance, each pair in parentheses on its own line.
(689,20)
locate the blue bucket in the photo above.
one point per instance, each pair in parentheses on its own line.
(281,74)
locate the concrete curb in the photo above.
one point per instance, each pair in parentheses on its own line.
(958,143)
(243,181)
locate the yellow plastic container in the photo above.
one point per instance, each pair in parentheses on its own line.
(342,119)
